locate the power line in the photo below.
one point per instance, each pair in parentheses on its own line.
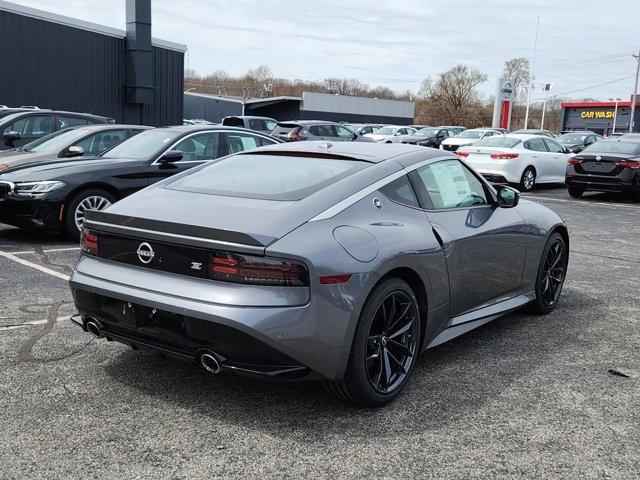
(587,88)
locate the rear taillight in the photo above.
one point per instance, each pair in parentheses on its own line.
(632,165)
(252,270)
(504,156)
(462,154)
(574,161)
(89,241)
(294,135)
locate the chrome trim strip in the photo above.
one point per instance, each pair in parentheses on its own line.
(356,197)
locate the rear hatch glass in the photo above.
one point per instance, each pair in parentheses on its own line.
(233,122)
(267,177)
(284,128)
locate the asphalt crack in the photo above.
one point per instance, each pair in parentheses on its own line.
(47,261)
(25,352)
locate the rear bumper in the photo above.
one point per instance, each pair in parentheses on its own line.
(628,181)
(281,342)
(28,212)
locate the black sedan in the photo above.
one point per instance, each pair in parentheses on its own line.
(54,196)
(611,165)
(427,137)
(68,143)
(575,142)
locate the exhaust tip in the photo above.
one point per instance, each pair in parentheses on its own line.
(93,328)
(210,363)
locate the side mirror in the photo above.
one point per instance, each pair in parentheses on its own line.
(11,137)
(507,197)
(440,136)
(74,151)
(170,157)
(397,134)
(567,150)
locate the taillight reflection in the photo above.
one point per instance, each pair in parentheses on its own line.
(462,154)
(504,156)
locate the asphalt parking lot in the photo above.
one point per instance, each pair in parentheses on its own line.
(522,397)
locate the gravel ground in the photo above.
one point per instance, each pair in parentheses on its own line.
(522,397)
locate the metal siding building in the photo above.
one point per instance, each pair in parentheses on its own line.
(66,64)
(598,117)
(311,106)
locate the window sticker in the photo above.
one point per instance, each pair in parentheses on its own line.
(452,182)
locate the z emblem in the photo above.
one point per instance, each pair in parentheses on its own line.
(196,266)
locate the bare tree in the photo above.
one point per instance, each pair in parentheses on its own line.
(518,70)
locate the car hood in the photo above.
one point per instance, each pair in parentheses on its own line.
(20,158)
(52,170)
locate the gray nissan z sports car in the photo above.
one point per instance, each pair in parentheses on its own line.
(310,260)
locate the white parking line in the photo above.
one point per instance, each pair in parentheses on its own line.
(578,202)
(35,266)
(50,250)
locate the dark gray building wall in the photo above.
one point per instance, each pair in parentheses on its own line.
(353,118)
(572,120)
(67,68)
(211,109)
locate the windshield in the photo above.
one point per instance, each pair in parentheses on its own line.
(385,131)
(470,134)
(268,177)
(56,141)
(427,132)
(143,145)
(612,146)
(572,138)
(500,142)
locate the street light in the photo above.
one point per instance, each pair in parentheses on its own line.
(546,87)
(615,114)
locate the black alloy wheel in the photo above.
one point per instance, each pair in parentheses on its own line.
(392,342)
(551,275)
(384,349)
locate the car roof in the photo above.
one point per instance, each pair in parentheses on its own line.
(364,151)
(307,122)
(205,127)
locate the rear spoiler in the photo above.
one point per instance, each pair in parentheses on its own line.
(193,235)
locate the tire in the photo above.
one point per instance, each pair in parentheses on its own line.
(528,179)
(369,350)
(542,305)
(95,196)
(576,192)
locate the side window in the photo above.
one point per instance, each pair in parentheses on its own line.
(270,124)
(402,131)
(401,191)
(553,146)
(322,131)
(535,144)
(66,122)
(488,134)
(240,141)
(256,124)
(202,147)
(344,132)
(31,126)
(450,184)
(100,141)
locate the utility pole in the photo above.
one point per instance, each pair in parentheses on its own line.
(615,114)
(533,64)
(635,93)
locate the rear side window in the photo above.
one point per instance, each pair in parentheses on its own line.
(268,177)
(99,142)
(66,122)
(241,141)
(284,128)
(256,124)
(401,191)
(535,144)
(322,130)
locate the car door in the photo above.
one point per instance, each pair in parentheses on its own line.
(558,165)
(344,134)
(539,158)
(196,149)
(484,245)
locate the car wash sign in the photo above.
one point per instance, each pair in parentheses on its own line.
(597,114)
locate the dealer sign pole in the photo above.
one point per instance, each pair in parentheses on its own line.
(635,93)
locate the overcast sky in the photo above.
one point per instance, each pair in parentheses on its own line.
(582,43)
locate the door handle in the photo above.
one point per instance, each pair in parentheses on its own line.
(534,156)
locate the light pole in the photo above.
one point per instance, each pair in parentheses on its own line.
(546,87)
(635,93)
(533,64)
(615,114)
